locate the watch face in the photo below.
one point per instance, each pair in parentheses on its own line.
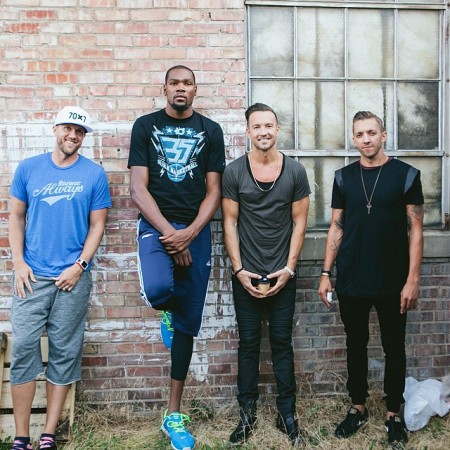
(83,263)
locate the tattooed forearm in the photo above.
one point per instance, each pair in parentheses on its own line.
(340,221)
(413,212)
(338,232)
(335,245)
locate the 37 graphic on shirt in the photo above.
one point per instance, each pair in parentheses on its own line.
(177,148)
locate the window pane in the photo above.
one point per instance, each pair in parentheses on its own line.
(418,50)
(320,42)
(431,177)
(371,43)
(374,96)
(320,176)
(321,115)
(272,42)
(279,95)
(418,116)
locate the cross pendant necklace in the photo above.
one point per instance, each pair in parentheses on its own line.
(369,200)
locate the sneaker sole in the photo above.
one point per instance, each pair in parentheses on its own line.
(169,347)
(169,344)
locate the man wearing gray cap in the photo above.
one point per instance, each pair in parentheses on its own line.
(59,202)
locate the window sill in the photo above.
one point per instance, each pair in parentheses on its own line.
(436,244)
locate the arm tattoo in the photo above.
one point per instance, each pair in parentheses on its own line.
(340,221)
(413,212)
(335,245)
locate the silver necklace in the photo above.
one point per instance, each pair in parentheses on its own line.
(369,200)
(256,182)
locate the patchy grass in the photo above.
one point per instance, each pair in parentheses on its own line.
(129,428)
(120,429)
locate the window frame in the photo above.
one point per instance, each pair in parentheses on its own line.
(350,153)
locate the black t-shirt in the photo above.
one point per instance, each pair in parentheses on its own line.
(373,259)
(178,153)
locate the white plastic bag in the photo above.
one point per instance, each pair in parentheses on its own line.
(422,401)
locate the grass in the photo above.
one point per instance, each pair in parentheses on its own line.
(123,428)
(120,429)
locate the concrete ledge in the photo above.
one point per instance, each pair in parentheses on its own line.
(436,244)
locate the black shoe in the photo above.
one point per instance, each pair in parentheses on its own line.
(396,431)
(245,427)
(353,421)
(289,425)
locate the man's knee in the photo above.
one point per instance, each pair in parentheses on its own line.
(157,295)
(280,341)
(250,343)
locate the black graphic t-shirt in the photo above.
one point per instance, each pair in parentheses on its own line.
(178,153)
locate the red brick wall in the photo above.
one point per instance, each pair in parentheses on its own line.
(110,59)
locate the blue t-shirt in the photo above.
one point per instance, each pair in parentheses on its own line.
(59,200)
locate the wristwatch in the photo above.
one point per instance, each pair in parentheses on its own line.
(82,263)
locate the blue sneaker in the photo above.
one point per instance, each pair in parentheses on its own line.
(173,427)
(167,329)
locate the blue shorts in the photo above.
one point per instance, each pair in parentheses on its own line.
(63,315)
(165,285)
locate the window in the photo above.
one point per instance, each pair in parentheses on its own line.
(318,63)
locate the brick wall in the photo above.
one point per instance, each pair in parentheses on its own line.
(110,59)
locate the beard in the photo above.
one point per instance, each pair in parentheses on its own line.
(180,107)
(67,152)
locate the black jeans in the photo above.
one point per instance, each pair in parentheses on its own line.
(355,316)
(249,313)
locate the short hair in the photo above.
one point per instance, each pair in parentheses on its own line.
(259,107)
(363,115)
(178,67)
